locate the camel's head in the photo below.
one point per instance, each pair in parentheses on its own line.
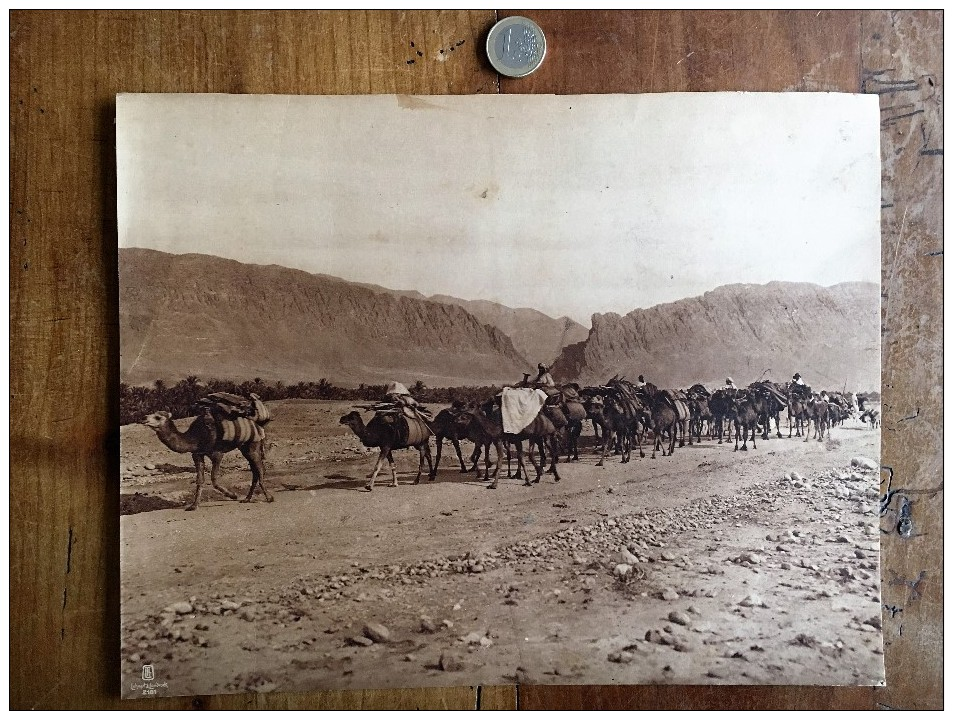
(595,405)
(157,419)
(351,418)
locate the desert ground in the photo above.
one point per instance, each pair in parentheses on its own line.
(757,567)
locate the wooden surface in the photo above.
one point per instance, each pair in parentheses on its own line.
(65,71)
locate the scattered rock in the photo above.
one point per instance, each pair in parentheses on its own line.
(752,558)
(377,632)
(693,610)
(626,557)
(874,622)
(752,601)
(181,608)
(622,570)
(360,641)
(230,605)
(785,566)
(149,467)
(679,618)
(621,657)
(427,625)
(861,462)
(669,594)
(249,615)
(450,662)
(409,657)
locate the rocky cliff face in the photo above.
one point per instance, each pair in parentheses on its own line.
(831,335)
(213,317)
(538,338)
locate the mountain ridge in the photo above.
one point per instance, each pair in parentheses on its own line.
(828,334)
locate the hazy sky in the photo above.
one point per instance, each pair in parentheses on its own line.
(571,205)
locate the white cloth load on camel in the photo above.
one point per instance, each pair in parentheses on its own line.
(520,407)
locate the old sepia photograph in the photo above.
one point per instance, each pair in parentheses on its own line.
(460,390)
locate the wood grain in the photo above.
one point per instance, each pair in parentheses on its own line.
(649,51)
(66,68)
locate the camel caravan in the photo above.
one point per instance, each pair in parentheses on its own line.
(546,417)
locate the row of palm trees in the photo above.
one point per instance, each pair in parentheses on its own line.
(137,401)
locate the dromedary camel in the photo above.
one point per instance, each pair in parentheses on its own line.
(380,433)
(745,413)
(540,432)
(453,423)
(202,440)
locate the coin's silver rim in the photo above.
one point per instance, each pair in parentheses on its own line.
(512,20)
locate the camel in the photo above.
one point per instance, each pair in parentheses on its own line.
(476,433)
(669,418)
(489,418)
(797,410)
(385,435)
(698,397)
(746,414)
(816,410)
(609,415)
(872,417)
(202,440)
(770,401)
(720,405)
(452,423)
(574,412)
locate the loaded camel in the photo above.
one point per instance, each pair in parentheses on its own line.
(202,440)
(383,432)
(668,417)
(453,423)
(488,420)
(744,410)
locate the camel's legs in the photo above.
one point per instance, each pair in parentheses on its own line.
(199,460)
(393,467)
(439,452)
(499,462)
(475,460)
(381,458)
(431,470)
(520,463)
(554,452)
(254,452)
(216,458)
(420,466)
(456,447)
(606,438)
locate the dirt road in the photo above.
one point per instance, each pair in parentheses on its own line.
(711,566)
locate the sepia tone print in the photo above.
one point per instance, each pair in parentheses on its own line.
(482,390)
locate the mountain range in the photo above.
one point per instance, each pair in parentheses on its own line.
(200,315)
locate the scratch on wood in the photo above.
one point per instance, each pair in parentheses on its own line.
(910,417)
(916,586)
(894,119)
(69,554)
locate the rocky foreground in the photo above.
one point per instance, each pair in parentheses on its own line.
(776,582)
